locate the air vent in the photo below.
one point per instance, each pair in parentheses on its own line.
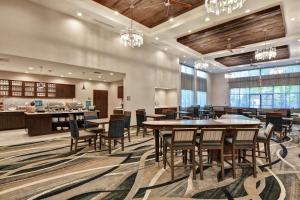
(4,60)
(103,24)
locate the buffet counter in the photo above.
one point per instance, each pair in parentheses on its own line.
(12,120)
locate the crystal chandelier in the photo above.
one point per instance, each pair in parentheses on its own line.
(202,65)
(132,37)
(223,6)
(268,53)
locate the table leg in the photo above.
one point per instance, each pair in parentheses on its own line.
(156,138)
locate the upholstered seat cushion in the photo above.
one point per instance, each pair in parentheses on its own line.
(86,134)
(95,129)
(239,143)
(207,143)
(165,133)
(261,136)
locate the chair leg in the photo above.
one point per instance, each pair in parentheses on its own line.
(100,142)
(269,155)
(233,163)
(71,146)
(90,142)
(258,149)
(144,132)
(200,162)
(254,161)
(222,163)
(164,155)
(172,164)
(95,143)
(266,152)
(76,142)
(193,164)
(122,142)
(109,146)
(128,130)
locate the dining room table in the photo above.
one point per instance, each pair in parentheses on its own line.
(99,122)
(155,116)
(183,112)
(225,121)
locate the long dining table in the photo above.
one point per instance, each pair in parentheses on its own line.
(226,121)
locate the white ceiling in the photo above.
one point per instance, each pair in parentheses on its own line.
(35,66)
(193,20)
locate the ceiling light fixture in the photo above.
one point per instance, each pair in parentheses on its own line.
(298,40)
(83,86)
(223,6)
(189,31)
(116,13)
(166,49)
(62,76)
(207,19)
(41,85)
(99,76)
(156,38)
(132,37)
(268,53)
(171,19)
(111,74)
(27,72)
(293,19)
(79,14)
(30,68)
(70,73)
(201,65)
(247,11)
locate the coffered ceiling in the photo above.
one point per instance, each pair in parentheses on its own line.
(195,34)
(248,58)
(151,13)
(238,32)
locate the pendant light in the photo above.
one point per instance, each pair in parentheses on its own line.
(83,86)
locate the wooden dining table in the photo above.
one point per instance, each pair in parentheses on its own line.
(99,122)
(226,121)
(156,116)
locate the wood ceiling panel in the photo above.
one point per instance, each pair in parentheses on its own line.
(151,16)
(242,31)
(248,58)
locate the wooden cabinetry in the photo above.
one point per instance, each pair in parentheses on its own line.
(12,120)
(120,92)
(65,91)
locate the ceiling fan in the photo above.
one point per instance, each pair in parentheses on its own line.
(168,3)
(229,46)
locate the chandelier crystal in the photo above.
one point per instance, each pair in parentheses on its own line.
(132,37)
(223,6)
(265,54)
(202,65)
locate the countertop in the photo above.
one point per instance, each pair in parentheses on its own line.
(12,111)
(57,113)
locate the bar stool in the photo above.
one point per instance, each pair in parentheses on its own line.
(244,139)
(211,139)
(265,137)
(181,139)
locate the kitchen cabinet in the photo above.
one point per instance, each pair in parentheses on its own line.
(65,91)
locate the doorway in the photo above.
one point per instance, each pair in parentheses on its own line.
(101,102)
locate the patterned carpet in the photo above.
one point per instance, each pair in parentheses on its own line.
(48,170)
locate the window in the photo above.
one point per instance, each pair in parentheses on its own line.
(187,70)
(187,98)
(240,74)
(266,97)
(201,98)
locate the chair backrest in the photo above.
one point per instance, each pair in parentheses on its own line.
(276,119)
(184,135)
(212,136)
(118,112)
(140,117)
(127,118)
(116,128)
(269,130)
(116,116)
(191,111)
(245,136)
(170,114)
(89,116)
(74,129)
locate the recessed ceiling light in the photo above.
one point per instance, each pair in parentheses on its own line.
(247,11)
(189,31)
(156,38)
(79,14)
(171,19)
(99,76)
(104,80)
(111,73)
(116,13)
(70,73)
(166,49)
(27,72)
(207,19)
(184,56)
(186,47)
(298,40)
(62,76)
(293,19)
(30,68)
(90,79)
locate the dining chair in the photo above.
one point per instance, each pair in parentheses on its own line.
(265,137)
(77,135)
(276,119)
(244,139)
(115,132)
(140,118)
(170,114)
(91,127)
(181,139)
(127,118)
(211,139)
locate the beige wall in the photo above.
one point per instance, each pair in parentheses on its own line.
(166,97)
(30,30)
(219,90)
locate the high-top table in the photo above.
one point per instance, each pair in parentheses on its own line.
(226,121)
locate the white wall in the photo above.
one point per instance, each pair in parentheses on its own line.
(219,90)
(166,97)
(30,30)
(114,101)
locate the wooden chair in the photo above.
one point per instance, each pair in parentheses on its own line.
(265,137)
(211,139)
(115,132)
(140,118)
(276,119)
(127,118)
(244,139)
(91,127)
(170,114)
(80,135)
(181,139)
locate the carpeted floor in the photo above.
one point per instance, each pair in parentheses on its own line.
(48,170)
